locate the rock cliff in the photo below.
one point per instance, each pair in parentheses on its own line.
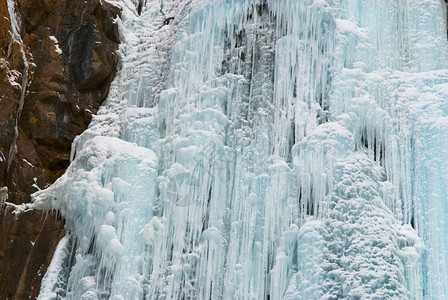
(57,60)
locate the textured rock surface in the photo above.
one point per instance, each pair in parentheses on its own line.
(65,50)
(32,236)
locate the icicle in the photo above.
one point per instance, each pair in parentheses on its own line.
(263,150)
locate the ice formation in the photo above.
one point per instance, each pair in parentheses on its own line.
(16,38)
(263,149)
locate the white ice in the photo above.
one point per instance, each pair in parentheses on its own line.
(263,149)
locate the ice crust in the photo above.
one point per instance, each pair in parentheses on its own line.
(263,149)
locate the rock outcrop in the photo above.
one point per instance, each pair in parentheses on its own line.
(57,60)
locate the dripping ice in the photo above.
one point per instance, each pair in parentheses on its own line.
(263,149)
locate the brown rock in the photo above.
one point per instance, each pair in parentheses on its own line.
(69,47)
(32,238)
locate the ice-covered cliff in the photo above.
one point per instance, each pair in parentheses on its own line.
(263,150)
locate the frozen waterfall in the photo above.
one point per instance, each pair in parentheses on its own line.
(263,149)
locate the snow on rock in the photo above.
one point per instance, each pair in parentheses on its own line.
(56,44)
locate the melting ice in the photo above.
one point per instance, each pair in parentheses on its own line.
(263,149)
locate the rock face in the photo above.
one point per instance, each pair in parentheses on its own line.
(27,246)
(57,60)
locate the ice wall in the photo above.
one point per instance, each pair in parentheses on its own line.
(263,150)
